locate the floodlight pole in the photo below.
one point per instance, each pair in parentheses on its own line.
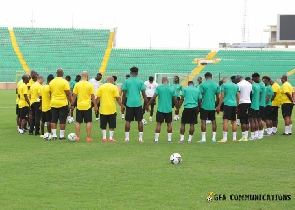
(189,35)
(32,19)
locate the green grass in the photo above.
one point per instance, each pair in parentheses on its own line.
(37,174)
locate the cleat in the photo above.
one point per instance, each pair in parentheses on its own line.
(268,134)
(202,141)
(285,134)
(77,138)
(141,141)
(30,133)
(62,138)
(234,140)
(189,142)
(274,133)
(97,119)
(155,141)
(104,140)
(89,140)
(260,137)
(126,140)
(222,141)
(252,139)
(290,134)
(37,134)
(213,140)
(181,141)
(41,136)
(54,138)
(111,140)
(169,141)
(150,119)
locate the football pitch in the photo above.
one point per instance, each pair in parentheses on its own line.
(38,174)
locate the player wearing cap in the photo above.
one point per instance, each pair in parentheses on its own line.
(132,88)
(150,87)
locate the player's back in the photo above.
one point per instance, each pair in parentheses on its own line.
(245,91)
(276,89)
(57,87)
(230,93)
(209,89)
(255,96)
(165,94)
(133,86)
(262,89)
(45,94)
(84,89)
(191,96)
(107,94)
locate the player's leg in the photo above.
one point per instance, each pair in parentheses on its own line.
(159,120)
(290,119)
(233,117)
(138,117)
(212,117)
(37,118)
(23,116)
(112,126)
(63,111)
(261,118)
(17,117)
(88,119)
(128,118)
(152,111)
(54,114)
(79,120)
(225,118)
(274,119)
(203,116)
(168,120)
(32,119)
(103,126)
(183,121)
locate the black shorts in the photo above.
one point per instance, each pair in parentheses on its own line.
(60,114)
(24,112)
(229,112)
(189,116)
(160,117)
(253,113)
(16,110)
(274,113)
(108,119)
(178,99)
(261,112)
(207,114)
(267,112)
(287,109)
(243,110)
(133,113)
(46,116)
(84,115)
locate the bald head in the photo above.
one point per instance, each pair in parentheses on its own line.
(165,80)
(25,78)
(110,80)
(33,73)
(84,75)
(59,72)
(284,78)
(225,79)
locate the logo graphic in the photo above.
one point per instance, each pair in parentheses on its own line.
(209,197)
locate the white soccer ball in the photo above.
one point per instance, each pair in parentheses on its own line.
(144,121)
(72,137)
(47,136)
(175,158)
(208,121)
(209,198)
(70,120)
(175,118)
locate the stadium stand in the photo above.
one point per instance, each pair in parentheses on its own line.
(74,50)
(151,61)
(9,62)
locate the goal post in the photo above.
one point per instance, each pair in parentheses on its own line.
(170,76)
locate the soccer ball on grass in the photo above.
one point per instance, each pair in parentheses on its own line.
(47,136)
(175,158)
(144,121)
(72,137)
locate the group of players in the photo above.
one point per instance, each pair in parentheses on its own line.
(254,101)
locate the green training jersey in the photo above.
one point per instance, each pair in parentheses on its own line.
(165,95)
(133,87)
(191,96)
(263,96)
(230,93)
(208,90)
(177,88)
(268,92)
(255,96)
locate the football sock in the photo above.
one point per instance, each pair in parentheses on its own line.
(126,135)
(123,116)
(169,136)
(214,135)
(104,134)
(252,135)
(224,136)
(256,134)
(181,137)
(286,129)
(53,132)
(204,136)
(111,133)
(62,133)
(234,135)
(157,136)
(290,128)
(243,135)
(260,133)
(140,135)
(190,137)
(269,131)
(246,134)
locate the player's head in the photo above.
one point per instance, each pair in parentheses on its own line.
(50,77)
(208,75)
(190,83)
(199,80)
(84,75)
(34,75)
(110,80)
(165,80)
(98,77)
(115,78)
(176,79)
(68,78)
(40,79)
(59,72)
(233,79)
(220,82)
(248,79)
(25,78)
(266,80)
(256,77)
(271,82)
(78,78)
(127,76)
(151,79)
(224,80)
(284,79)
(239,78)
(134,71)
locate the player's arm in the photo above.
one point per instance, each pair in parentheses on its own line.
(178,105)
(274,96)
(144,96)
(267,98)
(260,95)
(220,102)
(72,101)
(27,100)
(124,97)
(151,101)
(289,96)
(94,103)
(238,98)
(68,94)
(118,99)
(218,98)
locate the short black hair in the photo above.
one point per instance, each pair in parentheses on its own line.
(68,77)
(115,78)
(151,78)
(190,83)
(247,78)
(127,75)
(51,77)
(255,75)
(134,69)
(267,78)
(233,77)
(220,82)
(208,74)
